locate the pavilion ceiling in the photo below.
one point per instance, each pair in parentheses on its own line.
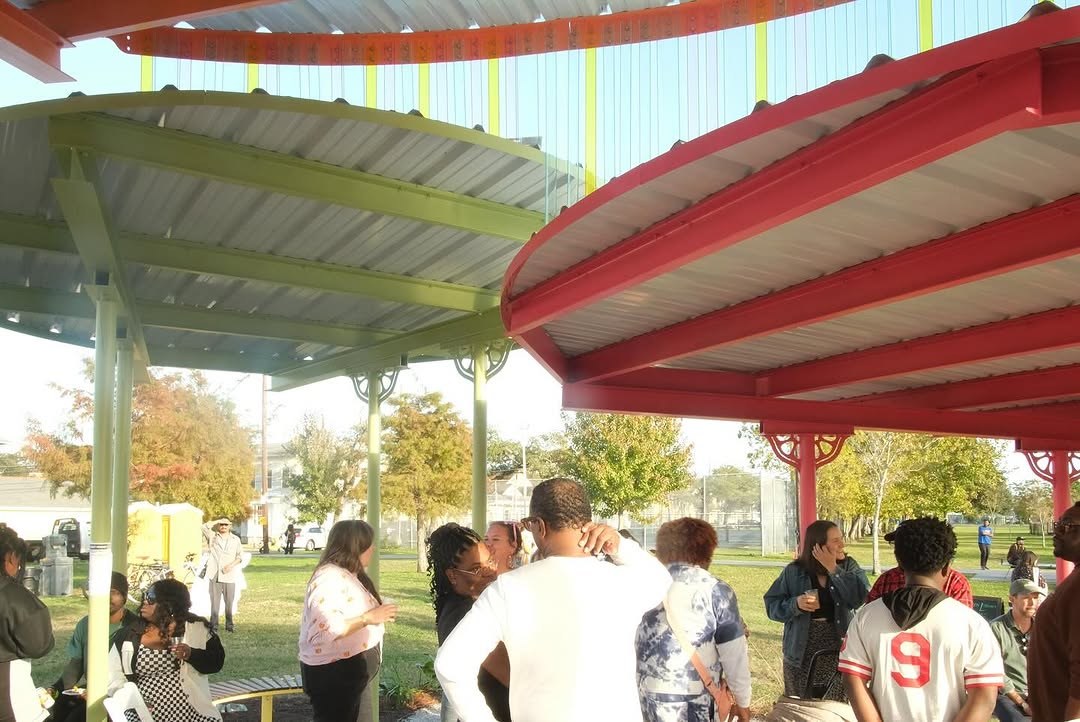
(255,233)
(900,249)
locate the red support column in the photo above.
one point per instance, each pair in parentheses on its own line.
(1061,468)
(807,452)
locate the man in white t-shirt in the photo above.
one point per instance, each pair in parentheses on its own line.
(915,654)
(568,621)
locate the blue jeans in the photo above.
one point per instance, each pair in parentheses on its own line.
(1007,711)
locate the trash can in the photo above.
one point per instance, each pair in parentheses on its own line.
(57,568)
(32,578)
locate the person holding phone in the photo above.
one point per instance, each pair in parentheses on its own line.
(815,597)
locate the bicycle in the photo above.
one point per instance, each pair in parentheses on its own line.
(142,575)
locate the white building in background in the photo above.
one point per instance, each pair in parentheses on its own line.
(279,499)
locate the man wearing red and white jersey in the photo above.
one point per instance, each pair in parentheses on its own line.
(915,654)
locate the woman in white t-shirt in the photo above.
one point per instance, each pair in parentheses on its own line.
(341,629)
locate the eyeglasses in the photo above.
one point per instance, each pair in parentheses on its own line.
(149,597)
(488,565)
(1064,527)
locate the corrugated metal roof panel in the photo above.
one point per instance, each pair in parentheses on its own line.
(641,207)
(168,204)
(1004,175)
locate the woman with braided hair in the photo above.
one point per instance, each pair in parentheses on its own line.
(461,568)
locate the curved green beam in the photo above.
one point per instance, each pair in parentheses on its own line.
(464,331)
(265,170)
(197,257)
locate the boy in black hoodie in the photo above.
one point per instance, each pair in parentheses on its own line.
(915,654)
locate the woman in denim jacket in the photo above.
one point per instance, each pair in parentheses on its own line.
(815,597)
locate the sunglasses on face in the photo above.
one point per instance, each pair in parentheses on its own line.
(489,564)
(1064,527)
(149,597)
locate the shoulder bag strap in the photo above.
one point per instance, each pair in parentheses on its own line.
(719,692)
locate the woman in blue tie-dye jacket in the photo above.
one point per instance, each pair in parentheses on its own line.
(668,684)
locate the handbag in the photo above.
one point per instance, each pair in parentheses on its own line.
(720,693)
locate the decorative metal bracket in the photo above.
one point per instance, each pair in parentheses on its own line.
(1042,463)
(826,447)
(387,381)
(496,354)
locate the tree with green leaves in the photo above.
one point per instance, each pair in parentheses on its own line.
(626,463)
(541,455)
(955,474)
(844,495)
(1035,504)
(187,445)
(329,469)
(428,449)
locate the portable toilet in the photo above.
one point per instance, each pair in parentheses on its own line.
(144,533)
(181,534)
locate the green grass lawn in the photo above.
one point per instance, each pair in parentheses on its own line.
(269,619)
(967,551)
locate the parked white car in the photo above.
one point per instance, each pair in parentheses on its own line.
(307,537)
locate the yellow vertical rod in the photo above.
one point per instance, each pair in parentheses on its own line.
(493,96)
(252,76)
(371,86)
(926,25)
(146,74)
(590,120)
(424,80)
(761,62)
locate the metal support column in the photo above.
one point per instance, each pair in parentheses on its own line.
(101,480)
(478,364)
(374,388)
(121,472)
(479,439)
(1061,467)
(807,484)
(1062,500)
(374,460)
(807,452)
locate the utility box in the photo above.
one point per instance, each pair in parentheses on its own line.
(57,568)
(181,534)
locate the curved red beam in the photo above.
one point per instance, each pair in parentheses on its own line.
(637,26)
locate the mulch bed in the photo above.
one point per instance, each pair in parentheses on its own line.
(296,708)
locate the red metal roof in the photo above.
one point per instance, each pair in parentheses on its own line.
(900,249)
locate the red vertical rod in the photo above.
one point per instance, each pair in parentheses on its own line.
(1062,501)
(807,483)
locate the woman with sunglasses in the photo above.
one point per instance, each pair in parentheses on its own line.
(167,654)
(461,567)
(503,540)
(341,629)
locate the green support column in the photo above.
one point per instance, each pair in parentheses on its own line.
(125,362)
(479,439)
(101,481)
(374,459)
(374,496)
(478,364)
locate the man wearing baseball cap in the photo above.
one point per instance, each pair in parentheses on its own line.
(72,708)
(1011,630)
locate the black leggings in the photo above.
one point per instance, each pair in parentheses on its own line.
(341,691)
(984,555)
